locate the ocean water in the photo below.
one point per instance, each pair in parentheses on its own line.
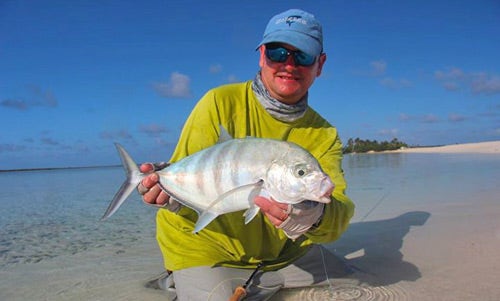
(53,216)
(49,213)
(402,181)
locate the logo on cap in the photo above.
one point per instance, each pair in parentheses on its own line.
(292,19)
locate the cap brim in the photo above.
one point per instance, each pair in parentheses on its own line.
(299,40)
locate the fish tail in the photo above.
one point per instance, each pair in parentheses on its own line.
(134,177)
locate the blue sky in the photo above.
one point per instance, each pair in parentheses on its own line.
(76,76)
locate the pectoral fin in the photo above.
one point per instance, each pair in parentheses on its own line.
(204,219)
(234,200)
(254,209)
(237,199)
(251,213)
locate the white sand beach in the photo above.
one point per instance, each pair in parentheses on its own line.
(490,147)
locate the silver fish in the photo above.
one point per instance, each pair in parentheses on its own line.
(229,175)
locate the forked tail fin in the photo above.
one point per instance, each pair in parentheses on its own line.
(134,177)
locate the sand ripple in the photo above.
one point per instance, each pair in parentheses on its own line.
(347,292)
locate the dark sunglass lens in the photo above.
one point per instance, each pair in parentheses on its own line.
(280,55)
(304,59)
(277,54)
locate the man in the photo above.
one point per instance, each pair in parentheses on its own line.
(280,241)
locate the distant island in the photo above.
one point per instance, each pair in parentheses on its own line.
(363,146)
(357,145)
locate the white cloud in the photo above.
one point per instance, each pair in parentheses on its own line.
(6,147)
(484,83)
(215,68)
(453,79)
(49,141)
(404,117)
(430,118)
(389,132)
(176,87)
(232,78)
(378,67)
(36,97)
(452,73)
(395,83)
(451,86)
(153,130)
(456,117)
(43,98)
(113,135)
(18,104)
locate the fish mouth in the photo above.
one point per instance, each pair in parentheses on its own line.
(326,187)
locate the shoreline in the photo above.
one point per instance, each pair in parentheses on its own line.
(489,147)
(57,168)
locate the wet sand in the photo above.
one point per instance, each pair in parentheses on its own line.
(432,253)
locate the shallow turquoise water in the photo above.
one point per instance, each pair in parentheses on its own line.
(49,213)
(405,181)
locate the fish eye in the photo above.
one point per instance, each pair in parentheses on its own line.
(300,170)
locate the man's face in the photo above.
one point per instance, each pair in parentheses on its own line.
(286,81)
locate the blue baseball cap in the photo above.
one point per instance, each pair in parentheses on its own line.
(297,28)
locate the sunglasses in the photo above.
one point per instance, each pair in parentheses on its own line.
(279,54)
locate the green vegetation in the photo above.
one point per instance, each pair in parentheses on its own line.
(362,146)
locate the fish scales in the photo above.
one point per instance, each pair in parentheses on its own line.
(234,167)
(217,170)
(201,173)
(212,180)
(200,176)
(237,165)
(224,157)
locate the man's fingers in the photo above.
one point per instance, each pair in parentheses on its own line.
(162,198)
(146,167)
(150,181)
(160,165)
(151,196)
(142,189)
(149,189)
(150,167)
(275,212)
(269,204)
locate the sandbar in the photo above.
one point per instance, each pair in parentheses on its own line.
(489,147)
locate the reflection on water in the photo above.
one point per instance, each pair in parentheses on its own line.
(433,177)
(363,161)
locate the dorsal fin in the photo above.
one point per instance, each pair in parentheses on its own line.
(224,135)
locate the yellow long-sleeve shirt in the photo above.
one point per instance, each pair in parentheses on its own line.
(227,241)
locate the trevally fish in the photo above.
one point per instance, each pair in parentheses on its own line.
(228,176)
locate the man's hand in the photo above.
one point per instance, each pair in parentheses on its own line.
(294,220)
(276,212)
(151,191)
